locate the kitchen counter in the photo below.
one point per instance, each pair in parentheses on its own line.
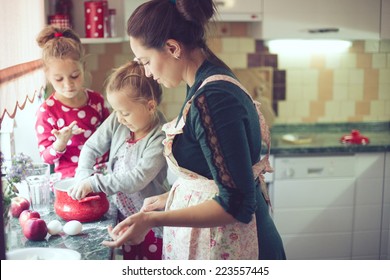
(325,138)
(87,243)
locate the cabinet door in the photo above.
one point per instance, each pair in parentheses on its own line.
(315,217)
(369,169)
(385,241)
(239,10)
(385,19)
(355,19)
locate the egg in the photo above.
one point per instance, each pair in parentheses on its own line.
(54,227)
(73,227)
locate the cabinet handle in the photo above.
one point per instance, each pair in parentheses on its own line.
(220,3)
(311,171)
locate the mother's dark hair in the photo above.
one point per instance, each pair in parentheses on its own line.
(185,21)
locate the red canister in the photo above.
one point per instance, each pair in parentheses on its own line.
(61,21)
(96,19)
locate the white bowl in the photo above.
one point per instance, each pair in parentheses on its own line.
(43,254)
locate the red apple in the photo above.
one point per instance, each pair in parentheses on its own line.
(27,214)
(18,204)
(35,229)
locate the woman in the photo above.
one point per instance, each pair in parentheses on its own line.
(215,209)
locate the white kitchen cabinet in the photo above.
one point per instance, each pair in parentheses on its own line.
(385,240)
(385,19)
(354,19)
(228,11)
(329,207)
(368,205)
(239,10)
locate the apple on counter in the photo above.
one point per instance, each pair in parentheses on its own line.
(27,214)
(18,205)
(35,229)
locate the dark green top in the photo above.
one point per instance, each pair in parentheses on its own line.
(221,140)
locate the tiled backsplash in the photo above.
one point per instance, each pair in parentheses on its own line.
(348,87)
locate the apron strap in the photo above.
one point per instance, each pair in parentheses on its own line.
(263,166)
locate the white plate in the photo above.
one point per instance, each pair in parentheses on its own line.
(43,254)
(297,139)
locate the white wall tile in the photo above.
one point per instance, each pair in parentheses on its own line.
(356,76)
(294,92)
(379,60)
(384,76)
(246,45)
(371,46)
(384,46)
(348,61)
(377,108)
(384,91)
(355,92)
(340,76)
(340,92)
(230,45)
(310,92)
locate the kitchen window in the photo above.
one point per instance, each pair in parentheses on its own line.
(21,73)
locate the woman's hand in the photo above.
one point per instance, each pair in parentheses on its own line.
(156,202)
(64,134)
(132,230)
(81,190)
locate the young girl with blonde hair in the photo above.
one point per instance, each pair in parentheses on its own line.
(132,134)
(71,113)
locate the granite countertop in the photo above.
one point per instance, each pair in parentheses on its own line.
(88,243)
(325,138)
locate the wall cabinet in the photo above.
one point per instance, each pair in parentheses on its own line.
(239,10)
(311,19)
(329,207)
(385,19)
(229,10)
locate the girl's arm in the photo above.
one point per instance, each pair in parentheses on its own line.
(136,178)
(96,146)
(44,125)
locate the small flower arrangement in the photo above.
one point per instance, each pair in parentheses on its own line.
(15,173)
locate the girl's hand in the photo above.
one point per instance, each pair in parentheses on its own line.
(132,230)
(64,134)
(81,190)
(156,202)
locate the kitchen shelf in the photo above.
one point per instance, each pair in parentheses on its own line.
(101,40)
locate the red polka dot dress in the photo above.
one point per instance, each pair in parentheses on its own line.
(53,114)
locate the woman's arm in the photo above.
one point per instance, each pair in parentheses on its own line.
(134,228)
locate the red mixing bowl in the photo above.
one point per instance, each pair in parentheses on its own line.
(88,209)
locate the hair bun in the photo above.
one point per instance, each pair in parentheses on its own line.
(197,11)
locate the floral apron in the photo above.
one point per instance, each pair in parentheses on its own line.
(232,241)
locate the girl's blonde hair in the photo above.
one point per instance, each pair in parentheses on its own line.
(131,80)
(62,43)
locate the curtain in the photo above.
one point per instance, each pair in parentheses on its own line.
(21,72)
